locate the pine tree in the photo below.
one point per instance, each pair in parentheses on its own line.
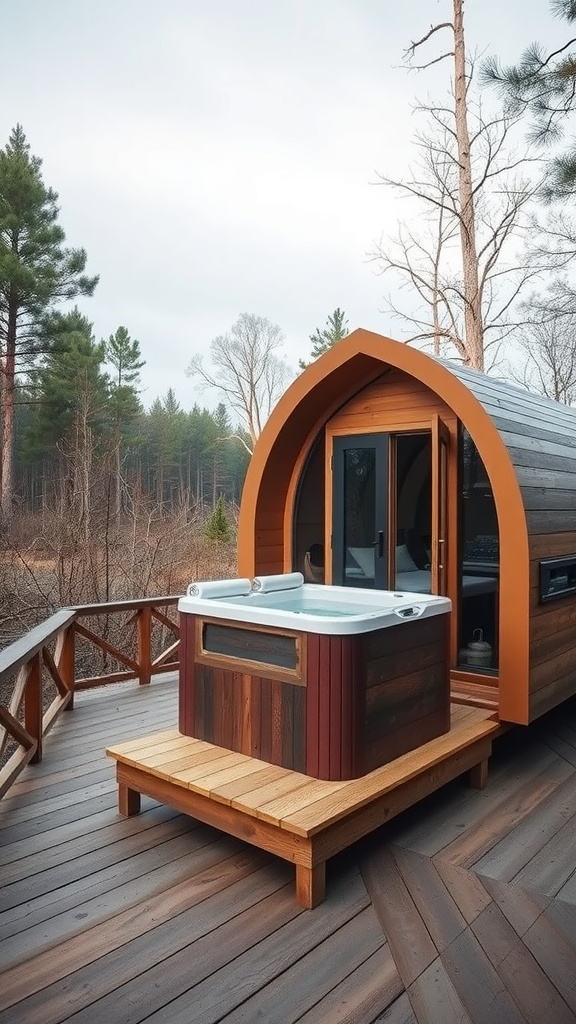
(71,412)
(335,330)
(36,272)
(166,426)
(70,382)
(123,355)
(544,86)
(217,527)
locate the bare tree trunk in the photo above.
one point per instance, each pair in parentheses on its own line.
(472,298)
(118,482)
(436,300)
(8,394)
(83,468)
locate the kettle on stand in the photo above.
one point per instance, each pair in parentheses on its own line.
(479,651)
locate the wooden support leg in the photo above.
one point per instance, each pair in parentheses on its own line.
(479,774)
(128,800)
(310,885)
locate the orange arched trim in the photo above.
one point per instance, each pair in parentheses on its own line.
(331,381)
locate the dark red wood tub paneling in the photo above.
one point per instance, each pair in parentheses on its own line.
(359,701)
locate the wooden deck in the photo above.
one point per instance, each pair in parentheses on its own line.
(302,819)
(461,909)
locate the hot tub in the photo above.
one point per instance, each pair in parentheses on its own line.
(329,681)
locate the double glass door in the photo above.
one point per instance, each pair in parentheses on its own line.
(389,510)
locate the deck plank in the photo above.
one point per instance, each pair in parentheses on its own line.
(555,951)
(540,833)
(410,941)
(167,891)
(399,1012)
(139,871)
(104,975)
(439,912)
(478,984)
(363,995)
(520,907)
(430,832)
(533,992)
(502,820)
(434,998)
(309,958)
(466,889)
(554,864)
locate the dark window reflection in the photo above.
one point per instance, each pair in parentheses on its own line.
(479,564)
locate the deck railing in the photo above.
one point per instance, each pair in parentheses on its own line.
(131,640)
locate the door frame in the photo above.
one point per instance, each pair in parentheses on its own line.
(444,495)
(380,443)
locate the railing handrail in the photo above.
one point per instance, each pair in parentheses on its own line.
(28,657)
(132,604)
(22,650)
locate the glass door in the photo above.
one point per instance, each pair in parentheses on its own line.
(360,511)
(440,449)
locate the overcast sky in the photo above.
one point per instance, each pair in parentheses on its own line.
(216,157)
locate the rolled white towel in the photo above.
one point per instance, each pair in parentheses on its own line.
(219,588)
(281,581)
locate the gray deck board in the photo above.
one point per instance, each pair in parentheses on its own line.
(462,909)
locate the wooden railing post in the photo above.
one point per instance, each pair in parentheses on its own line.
(66,661)
(33,704)
(145,644)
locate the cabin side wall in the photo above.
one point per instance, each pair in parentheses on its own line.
(544,458)
(552,625)
(540,437)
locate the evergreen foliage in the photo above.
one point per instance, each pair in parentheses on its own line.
(123,355)
(543,85)
(217,527)
(36,272)
(70,405)
(335,330)
(70,382)
(170,458)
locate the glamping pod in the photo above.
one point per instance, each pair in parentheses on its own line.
(383,468)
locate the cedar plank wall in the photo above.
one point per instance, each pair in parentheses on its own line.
(395,398)
(540,436)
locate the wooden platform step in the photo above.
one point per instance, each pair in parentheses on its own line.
(301,819)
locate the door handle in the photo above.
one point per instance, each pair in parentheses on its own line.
(381,544)
(441,543)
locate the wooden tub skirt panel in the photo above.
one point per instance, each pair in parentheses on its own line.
(330,706)
(301,819)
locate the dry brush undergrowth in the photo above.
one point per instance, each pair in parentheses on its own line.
(48,563)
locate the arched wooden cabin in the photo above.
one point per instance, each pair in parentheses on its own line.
(416,473)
